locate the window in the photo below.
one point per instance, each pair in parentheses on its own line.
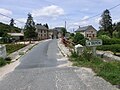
(87,35)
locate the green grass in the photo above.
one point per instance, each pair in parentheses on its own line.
(14,47)
(110,71)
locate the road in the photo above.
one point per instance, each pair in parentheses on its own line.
(39,70)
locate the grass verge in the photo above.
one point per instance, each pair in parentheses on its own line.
(14,47)
(110,71)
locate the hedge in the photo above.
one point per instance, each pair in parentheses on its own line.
(111,41)
(115,48)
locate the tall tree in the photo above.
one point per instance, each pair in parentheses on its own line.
(12,22)
(11,25)
(117,29)
(64,31)
(106,22)
(46,25)
(29,30)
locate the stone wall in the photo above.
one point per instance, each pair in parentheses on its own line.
(3,51)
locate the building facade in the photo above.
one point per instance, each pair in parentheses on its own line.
(42,32)
(88,31)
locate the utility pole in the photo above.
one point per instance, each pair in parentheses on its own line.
(65,24)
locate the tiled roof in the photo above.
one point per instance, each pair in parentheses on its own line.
(41,27)
(16,34)
(82,29)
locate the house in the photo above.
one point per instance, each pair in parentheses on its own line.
(53,33)
(42,32)
(88,31)
(17,36)
(59,31)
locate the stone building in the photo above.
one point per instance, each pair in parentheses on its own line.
(42,32)
(88,31)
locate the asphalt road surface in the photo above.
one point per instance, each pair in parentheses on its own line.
(39,70)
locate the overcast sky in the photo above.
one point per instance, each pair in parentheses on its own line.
(56,12)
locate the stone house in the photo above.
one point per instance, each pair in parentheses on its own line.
(59,31)
(42,32)
(88,31)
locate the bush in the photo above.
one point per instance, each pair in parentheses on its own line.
(114,48)
(8,59)
(110,41)
(2,62)
(104,37)
(79,39)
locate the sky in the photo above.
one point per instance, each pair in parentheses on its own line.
(56,12)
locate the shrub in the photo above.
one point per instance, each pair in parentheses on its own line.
(104,37)
(2,62)
(79,39)
(114,48)
(8,59)
(110,41)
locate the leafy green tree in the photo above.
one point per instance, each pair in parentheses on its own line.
(106,22)
(64,31)
(12,22)
(12,25)
(29,30)
(79,39)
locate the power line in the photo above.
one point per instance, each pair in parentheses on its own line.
(101,13)
(10,17)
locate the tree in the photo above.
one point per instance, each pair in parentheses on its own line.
(116,32)
(12,22)
(29,30)
(79,39)
(64,31)
(12,25)
(46,25)
(106,22)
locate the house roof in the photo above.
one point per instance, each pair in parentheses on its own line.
(82,29)
(58,28)
(16,34)
(41,27)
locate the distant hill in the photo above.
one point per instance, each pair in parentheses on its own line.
(8,29)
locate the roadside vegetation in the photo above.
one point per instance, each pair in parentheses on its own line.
(2,62)
(5,61)
(109,44)
(10,48)
(110,71)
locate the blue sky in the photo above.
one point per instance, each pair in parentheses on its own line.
(56,12)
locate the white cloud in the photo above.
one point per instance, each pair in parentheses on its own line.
(5,11)
(85,17)
(21,22)
(97,20)
(116,20)
(49,11)
(82,22)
